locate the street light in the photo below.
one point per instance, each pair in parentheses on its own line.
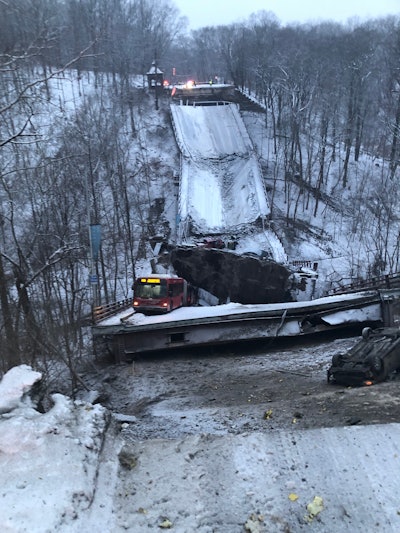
(94,244)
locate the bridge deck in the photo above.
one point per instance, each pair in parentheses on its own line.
(128,334)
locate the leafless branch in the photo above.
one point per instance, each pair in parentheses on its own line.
(57,256)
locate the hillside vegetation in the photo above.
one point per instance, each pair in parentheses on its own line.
(83,142)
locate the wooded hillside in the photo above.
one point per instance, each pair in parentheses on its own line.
(82,143)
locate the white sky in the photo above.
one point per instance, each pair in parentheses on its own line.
(220,12)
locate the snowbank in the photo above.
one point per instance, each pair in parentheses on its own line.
(48,462)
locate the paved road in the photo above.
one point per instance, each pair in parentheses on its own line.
(249,438)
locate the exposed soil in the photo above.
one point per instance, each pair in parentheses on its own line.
(240,389)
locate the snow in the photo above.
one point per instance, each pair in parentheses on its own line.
(67,470)
(219,483)
(210,132)
(60,471)
(221,185)
(14,386)
(233,308)
(48,462)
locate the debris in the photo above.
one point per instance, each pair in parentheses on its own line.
(268,414)
(126,458)
(353,421)
(293,497)
(254,523)
(165,524)
(296,417)
(314,508)
(290,372)
(125,318)
(123,418)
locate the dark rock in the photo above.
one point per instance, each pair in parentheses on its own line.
(127,457)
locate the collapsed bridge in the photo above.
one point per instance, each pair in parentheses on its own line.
(221,192)
(221,189)
(128,334)
(221,184)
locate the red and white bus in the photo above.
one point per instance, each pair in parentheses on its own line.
(161,293)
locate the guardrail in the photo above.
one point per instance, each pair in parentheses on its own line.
(387,281)
(313,265)
(101,312)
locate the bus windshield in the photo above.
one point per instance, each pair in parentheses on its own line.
(150,290)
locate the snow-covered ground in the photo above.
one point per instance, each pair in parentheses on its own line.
(68,471)
(48,462)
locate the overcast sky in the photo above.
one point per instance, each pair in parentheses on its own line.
(215,12)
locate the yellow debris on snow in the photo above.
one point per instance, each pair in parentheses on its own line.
(314,508)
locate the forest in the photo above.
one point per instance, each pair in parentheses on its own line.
(330,92)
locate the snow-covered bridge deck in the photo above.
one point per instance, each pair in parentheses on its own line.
(221,184)
(130,333)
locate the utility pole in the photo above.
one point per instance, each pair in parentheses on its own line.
(94,237)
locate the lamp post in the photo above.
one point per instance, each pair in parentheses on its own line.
(94,239)
(94,245)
